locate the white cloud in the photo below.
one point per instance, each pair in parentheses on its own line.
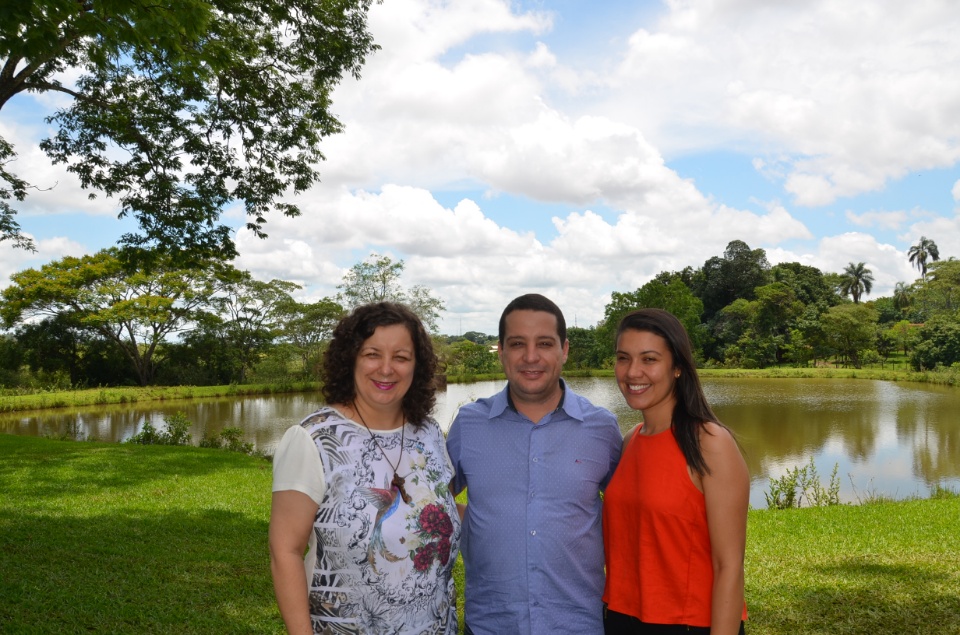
(829,99)
(888,264)
(54,190)
(885,220)
(857,93)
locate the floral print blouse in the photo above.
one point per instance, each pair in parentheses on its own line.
(384,564)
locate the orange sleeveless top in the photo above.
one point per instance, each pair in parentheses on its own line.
(655,536)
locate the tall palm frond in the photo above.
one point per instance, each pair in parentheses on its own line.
(918,254)
(901,296)
(856,280)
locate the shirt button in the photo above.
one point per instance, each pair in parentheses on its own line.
(533,533)
(536,460)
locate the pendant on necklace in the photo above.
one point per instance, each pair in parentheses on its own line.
(398,482)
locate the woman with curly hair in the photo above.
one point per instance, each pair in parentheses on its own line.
(675,511)
(362,486)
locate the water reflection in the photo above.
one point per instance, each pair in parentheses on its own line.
(888,438)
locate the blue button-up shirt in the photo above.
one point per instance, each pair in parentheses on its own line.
(532,541)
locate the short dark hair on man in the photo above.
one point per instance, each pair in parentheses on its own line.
(533,302)
(340,358)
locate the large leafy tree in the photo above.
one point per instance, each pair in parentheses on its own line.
(735,275)
(248,314)
(856,280)
(182,108)
(777,307)
(377,279)
(135,310)
(850,329)
(808,283)
(666,291)
(919,254)
(307,325)
(941,292)
(938,344)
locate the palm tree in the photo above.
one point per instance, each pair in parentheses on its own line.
(901,296)
(919,253)
(856,280)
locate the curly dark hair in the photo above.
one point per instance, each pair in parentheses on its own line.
(340,358)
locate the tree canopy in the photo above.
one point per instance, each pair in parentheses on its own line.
(377,279)
(722,280)
(134,310)
(209,102)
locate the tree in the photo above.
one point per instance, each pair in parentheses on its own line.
(722,280)
(850,329)
(730,324)
(427,307)
(938,345)
(248,312)
(377,279)
(777,307)
(918,254)
(584,351)
(941,292)
(470,358)
(478,338)
(133,310)
(902,296)
(856,280)
(181,109)
(808,283)
(666,291)
(904,335)
(307,326)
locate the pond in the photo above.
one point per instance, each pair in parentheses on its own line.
(887,438)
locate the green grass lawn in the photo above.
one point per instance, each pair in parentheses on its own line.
(111,538)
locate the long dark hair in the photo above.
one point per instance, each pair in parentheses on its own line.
(692,410)
(340,358)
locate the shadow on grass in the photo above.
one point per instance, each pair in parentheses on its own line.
(860,597)
(179,572)
(110,538)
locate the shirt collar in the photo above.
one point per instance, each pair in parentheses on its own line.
(504,401)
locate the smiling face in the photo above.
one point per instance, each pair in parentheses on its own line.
(647,376)
(384,367)
(532,356)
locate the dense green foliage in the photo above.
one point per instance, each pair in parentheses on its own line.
(95,321)
(743,313)
(121,538)
(208,102)
(226,321)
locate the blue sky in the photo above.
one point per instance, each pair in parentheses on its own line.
(578,148)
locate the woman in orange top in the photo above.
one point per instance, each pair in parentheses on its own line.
(675,511)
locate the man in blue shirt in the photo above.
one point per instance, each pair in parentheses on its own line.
(534,459)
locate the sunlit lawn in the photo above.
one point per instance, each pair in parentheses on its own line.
(111,538)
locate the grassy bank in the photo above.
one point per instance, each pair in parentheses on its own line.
(111,538)
(15,400)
